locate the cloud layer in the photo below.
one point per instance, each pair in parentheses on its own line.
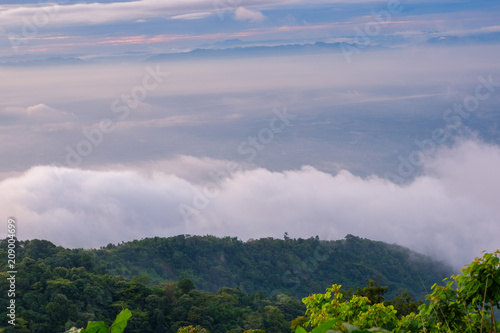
(241,13)
(451,212)
(39,29)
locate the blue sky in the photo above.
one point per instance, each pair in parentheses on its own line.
(391,134)
(89,28)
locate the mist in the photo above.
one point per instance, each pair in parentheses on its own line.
(449,213)
(256,147)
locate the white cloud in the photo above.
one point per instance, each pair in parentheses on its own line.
(93,12)
(482,30)
(191,16)
(241,13)
(39,113)
(461,32)
(102,13)
(450,213)
(43,111)
(98,13)
(490,29)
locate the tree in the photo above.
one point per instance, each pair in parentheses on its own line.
(192,329)
(184,286)
(358,311)
(404,304)
(374,292)
(482,274)
(466,303)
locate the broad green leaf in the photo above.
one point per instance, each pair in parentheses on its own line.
(121,321)
(300,330)
(96,327)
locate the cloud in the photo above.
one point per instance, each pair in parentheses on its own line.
(241,13)
(482,30)
(39,113)
(450,212)
(105,13)
(36,29)
(192,16)
(97,13)
(421,35)
(42,110)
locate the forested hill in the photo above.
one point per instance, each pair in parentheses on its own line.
(296,267)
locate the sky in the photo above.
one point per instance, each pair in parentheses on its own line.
(378,119)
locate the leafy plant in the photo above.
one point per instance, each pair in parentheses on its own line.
(323,328)
(359,311)
(466,303)
(192,329)
(354,329)
(482,274)
(118,325)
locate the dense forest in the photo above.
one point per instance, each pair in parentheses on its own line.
(221,284)
(295,267)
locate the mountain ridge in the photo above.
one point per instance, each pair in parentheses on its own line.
(294,267)
(262,51)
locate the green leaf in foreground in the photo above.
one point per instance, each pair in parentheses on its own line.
(121,321)
(118,325)
(96,327)
(300,330)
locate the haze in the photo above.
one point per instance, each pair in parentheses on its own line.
(395,139)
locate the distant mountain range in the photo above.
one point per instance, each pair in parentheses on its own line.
(226,52)
(261,51)
(52,61)
(489,38)
(236,48)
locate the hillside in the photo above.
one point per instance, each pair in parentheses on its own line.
(295,267)
(237,285)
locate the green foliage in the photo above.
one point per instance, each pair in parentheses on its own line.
(359,311)
(466,303)
(55,299)
(118,325)
(184,286)
(192,329)
(481,274)
(374,292)
(404,304)
(294,267)
(60,288)
(323,328)
(354,329)
(326,328)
